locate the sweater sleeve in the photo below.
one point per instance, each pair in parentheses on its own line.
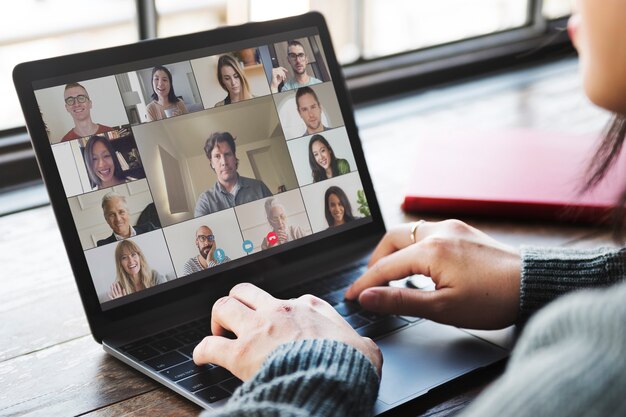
(548,273)
(307,378)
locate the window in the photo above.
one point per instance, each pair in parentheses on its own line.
(378,41)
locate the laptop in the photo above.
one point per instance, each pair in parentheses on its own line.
(170,185)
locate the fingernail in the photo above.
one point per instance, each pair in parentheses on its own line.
(370,299)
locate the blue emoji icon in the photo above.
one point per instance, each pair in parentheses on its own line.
(247,246)
(219,255)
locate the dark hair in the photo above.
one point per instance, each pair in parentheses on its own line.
(319,173)
(602,161)
(220,137)
(343,199)
(302,91)
(231,62)
(117,172)
(171,96)
(294,42)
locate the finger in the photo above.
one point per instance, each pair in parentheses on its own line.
(229,314)
(405,301)
(398,238)
(251,295)
(215,350)
(398,265)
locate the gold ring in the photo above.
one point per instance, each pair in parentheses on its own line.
(414,227)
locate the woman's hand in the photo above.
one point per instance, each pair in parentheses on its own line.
(116,291)
(477,278)
(261,323)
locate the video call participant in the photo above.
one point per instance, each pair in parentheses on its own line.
(205,241)
(310,110)
(298,62)
(103,167)
(337,207)
(78,105)
(231,189)
(164,99)
(133,272)
(277,218)
(324,164)
(115,210)
(233,81)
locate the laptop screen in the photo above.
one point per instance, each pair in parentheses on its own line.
(182,166)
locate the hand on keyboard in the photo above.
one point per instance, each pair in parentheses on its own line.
(261,323)
(477,278)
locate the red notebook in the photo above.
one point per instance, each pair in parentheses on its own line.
(521,174)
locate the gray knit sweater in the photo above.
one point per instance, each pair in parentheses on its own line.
(569,361)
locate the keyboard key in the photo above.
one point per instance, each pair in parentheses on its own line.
(166,333)
(136,344)
(189,336)
(356,321)
(166,345)
(384,326)
(212,394)
(166,361)
(184,370)
(188,350)
(347,308)
(144,352)
(205,379)
(232,384)
(371,316)
(411,319)
(334,297)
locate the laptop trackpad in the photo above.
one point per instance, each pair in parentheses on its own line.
(427,355)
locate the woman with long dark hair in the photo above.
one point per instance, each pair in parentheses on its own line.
(103,167)
(337,208)
(322,160)
(164,102)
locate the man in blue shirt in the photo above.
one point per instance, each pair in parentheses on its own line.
(231,189)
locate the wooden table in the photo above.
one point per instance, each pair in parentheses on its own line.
(50,365)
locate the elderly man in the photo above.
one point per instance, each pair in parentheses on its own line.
(281,231)
(116,214)
(209,255)
(298,61)
(231,189)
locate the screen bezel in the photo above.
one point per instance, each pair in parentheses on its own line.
(26,74)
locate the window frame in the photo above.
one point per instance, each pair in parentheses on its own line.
(367,80)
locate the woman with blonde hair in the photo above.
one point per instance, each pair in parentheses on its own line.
(133,273)
(233,81)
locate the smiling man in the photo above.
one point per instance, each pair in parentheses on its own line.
(78,105)
(230,189)
(116,214)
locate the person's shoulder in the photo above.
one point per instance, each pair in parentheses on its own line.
(69,136)
(313,80)
(158,277)
(103,242)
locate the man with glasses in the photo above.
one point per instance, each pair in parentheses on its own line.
(209,255)
(230,189)
(78,105)
(298,61)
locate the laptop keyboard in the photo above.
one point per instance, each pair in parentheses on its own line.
(170,352)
